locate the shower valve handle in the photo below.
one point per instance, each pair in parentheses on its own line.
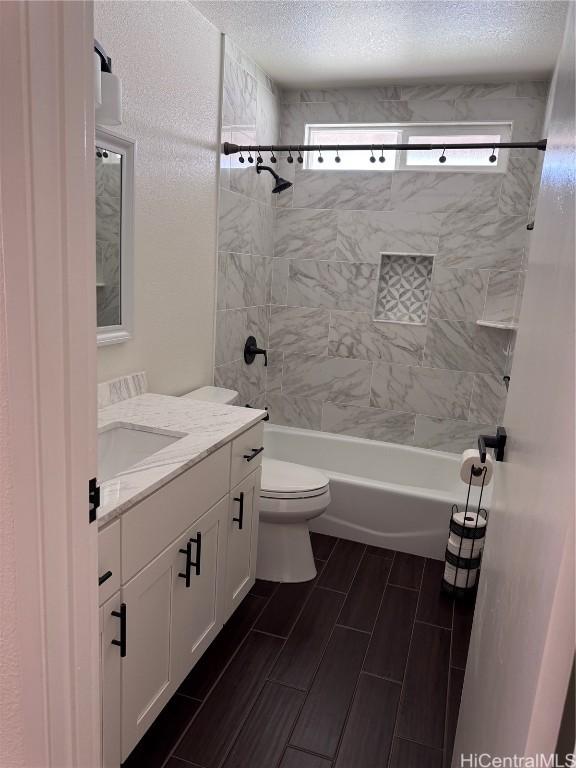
(251,349)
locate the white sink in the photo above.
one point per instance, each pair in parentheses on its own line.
(120,448)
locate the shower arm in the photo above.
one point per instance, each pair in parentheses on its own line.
(232,149)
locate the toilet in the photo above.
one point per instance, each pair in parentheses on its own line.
(291,495)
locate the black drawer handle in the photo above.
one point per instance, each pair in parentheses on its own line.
(104,577)
(240,518)
(255,452)
(188,553)
(198,541)
(121,614)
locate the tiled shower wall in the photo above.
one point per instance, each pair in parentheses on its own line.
(332,366)
(250,115)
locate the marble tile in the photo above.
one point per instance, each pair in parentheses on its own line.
(519,296)
(371,423)
(501,297)
(527,115)
(328,284)
(459,91)
(463,346)
(482,242)
(294,411)
(237,54)
(239,92)
(413,111)
(458,294)
(108,177)
(488,399)
(230,335)
(243,177)
(262,229)
(448,435)
(247,279)
(295,117)
(274,376)
(279,286)
(533,89)
(428,391)
(221,278)
(327,378)
(442,191)
(235,222)
(122,388)
(267,115)
(363,235)
(403,291)
(257,325)
(356,335)
(347,190)
(294,329)
(347,94)
(517,185)
(108,218)
(108,306)
(248,380)
(304,234)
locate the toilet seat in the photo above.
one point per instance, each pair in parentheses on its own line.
(285,480)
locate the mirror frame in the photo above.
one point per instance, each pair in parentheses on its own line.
(116,334)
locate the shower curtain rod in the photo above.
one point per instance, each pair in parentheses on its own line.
(233,149)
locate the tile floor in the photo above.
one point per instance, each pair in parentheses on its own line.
(360,668)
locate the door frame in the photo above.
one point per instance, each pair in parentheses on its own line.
(49,709)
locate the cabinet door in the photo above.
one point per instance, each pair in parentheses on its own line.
(146,679)
(242,540)
(110,665)
(197,614)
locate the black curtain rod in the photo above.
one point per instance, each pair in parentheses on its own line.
(233,149)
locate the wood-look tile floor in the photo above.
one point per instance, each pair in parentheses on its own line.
(360,668)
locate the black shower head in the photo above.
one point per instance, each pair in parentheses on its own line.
(281,184)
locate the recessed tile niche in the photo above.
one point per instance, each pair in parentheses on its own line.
(404,288)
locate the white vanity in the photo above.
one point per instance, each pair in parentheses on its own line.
(177,547)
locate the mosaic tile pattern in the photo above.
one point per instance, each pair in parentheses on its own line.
(404,288)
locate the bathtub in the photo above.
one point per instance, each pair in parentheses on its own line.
(388,495)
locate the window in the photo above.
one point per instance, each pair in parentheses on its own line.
(409,133)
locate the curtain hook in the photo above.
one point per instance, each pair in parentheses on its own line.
(493,157)
(442,158)
(290,159)
(372,158)
(250,158)
(259,159)
(320,158)
(272,156)
(241,158)
(382,159)
(300,158)
(337,159)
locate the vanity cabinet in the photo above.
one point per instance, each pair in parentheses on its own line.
(188,557)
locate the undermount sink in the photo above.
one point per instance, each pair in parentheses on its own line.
(120,448)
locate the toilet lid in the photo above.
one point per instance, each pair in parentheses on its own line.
(281,479)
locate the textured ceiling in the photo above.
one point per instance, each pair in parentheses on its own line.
(311,43)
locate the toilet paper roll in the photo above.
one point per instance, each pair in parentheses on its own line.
(469,519)
(468,548)
(472,458)
(461,578)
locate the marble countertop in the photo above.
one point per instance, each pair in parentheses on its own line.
(202,426)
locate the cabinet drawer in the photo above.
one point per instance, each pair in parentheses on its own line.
(154,523)
(108,561)
(244,456)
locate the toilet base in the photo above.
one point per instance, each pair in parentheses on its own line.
(284,553)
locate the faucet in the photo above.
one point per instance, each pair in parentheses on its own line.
(251,349)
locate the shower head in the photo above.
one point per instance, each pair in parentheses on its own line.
(281,184)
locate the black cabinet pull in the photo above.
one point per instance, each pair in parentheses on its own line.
(255,452)
(104,577)
(188,553)
(198,541)
(240,518)
(121,614)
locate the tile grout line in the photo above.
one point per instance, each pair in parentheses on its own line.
(395,731)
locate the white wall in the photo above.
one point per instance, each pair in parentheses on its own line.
(168,57)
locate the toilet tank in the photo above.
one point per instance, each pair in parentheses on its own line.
(214,395)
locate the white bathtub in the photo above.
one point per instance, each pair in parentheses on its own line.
(384,494)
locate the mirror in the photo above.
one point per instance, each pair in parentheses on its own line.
(114,158)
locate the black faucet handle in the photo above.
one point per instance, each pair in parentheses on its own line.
(251,349)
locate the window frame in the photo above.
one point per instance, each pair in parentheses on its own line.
(453,129)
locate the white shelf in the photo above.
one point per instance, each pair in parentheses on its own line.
(501,326)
